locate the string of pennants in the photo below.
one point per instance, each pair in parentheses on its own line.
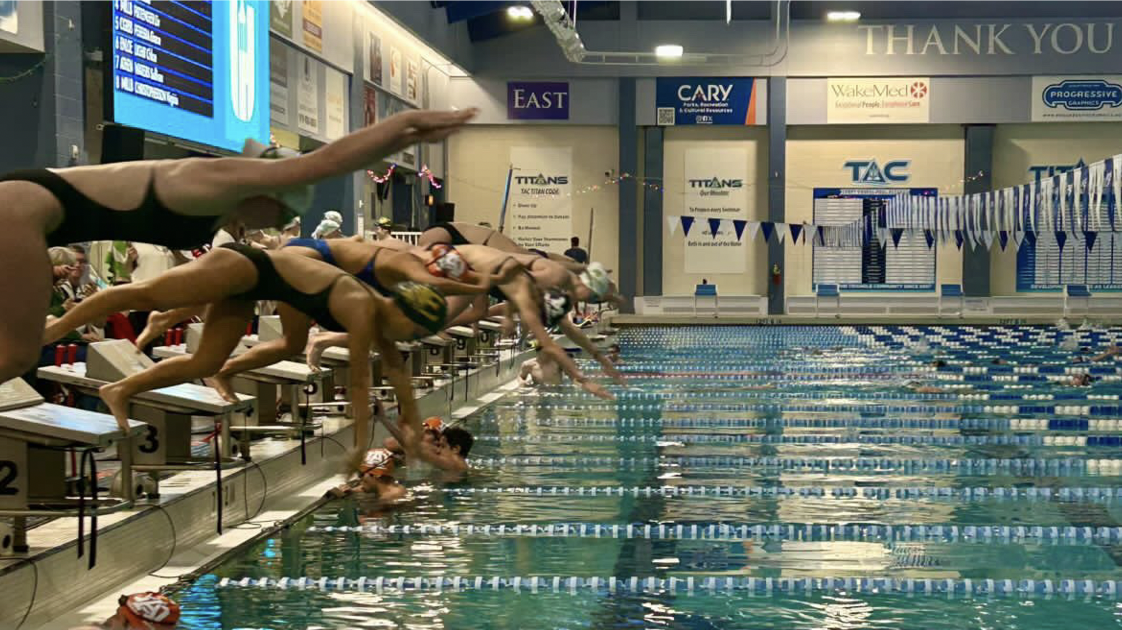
(1073,206)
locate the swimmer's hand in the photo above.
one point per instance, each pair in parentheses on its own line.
(596,389)
(433,126)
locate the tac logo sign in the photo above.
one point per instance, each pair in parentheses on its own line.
(1083,95)
(1041,171)
(869,173)
(537,100)
(243,44)
(1077,98)
(541,180)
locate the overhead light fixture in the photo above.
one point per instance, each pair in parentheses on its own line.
(843,16)
(519,12)
(669,51)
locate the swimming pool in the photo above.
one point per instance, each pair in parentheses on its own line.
(747,477)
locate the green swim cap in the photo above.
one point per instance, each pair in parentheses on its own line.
(423,304)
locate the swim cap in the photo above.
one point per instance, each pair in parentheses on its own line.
(384,222)
(424,305)
(148,610)
(434,424)
(446,262)
(332,215)
(327,226)
(378,462)
(555,304)
(296,199)
(295,222)
(595,277)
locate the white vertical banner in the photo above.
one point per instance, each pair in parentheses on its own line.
(541,202)
(336,100)
(716,188)
(307,102)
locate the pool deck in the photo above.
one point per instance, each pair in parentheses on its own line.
(177,534)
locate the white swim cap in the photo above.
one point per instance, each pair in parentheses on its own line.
(327,226)
(595,277)
(297,199)
(333,215)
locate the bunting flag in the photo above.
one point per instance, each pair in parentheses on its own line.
(958,238)
(796,230)
(929,236)
(687,223)
(780,233)
(820,236)
(738,226)
(1090,237)
(753,229)
(714,227)
(896,234)
(1003,239)
(1030,238)
(673,222)
(768,227)
(987,239)
(1018,238)
(1061,238)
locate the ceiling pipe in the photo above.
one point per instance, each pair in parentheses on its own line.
(563,28)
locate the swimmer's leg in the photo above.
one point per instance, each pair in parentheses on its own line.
(25,284)
(212,278)
(224,327)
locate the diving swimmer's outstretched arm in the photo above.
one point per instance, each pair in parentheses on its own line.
(579,338)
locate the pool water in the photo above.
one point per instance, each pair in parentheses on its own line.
(788,471)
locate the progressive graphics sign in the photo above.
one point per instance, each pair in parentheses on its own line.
(709,101)
(1077,98)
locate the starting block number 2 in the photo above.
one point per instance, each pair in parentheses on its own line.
(13,474)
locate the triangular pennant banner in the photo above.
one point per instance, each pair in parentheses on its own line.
(1090,239)
(1061,238)
(780,233)
(796,229)
(987,239)
(958,238)
(929,236)
(1030,237)
(753,229)
(1003,239)
(820,236)
(673,222)
(768,227)
(896,234)
(714,227)
(738,225)
(687,223)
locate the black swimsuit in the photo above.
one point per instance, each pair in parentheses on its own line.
(271,286)
(457,238)
(86,220)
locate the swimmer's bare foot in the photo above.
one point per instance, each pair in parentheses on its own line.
(313,353)
(223,386)
(157,324)
(114,397)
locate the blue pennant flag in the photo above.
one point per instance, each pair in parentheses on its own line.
(767,227)
(796,229)
(1061,238)
(687,223)
(1090,239)
(1003,239)
(958,238)
(739,225)
(896,234)
(929,236)
(714,227)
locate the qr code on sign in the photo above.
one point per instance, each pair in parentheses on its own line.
(665,115)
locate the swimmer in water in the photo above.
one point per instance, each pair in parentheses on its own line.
(141,611)
(177,204)
(375,477)
(444,447)
(613,354)
(1081,380)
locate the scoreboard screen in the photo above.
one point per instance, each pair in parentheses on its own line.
(192,69)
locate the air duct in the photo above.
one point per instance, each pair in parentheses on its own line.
(564,30)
